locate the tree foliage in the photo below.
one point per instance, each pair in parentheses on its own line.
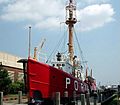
(16,86)
(6,85)
(5,81)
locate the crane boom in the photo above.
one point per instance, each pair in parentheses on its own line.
(37,49)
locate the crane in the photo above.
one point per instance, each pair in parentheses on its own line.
(38,49)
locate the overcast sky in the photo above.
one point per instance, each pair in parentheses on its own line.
(98,31)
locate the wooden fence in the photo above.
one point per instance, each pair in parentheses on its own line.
(81,100)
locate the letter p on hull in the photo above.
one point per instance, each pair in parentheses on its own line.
(67,82)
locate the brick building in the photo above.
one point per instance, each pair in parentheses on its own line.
(9,62)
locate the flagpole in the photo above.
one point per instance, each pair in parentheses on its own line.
(29,49)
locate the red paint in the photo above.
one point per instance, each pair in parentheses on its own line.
(49,80)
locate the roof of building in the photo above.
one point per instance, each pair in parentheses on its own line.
(10,60)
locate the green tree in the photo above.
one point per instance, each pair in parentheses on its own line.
(16,86)
(5,81)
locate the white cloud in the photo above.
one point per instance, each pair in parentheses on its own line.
(49,23)
(45,13)
(31,10)
(94,1)
(95,16)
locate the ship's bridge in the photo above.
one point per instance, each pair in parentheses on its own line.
(62,62)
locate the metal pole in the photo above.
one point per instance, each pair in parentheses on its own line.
(82,99)
(19,97)
(29,42)
(1,98)
(87,99)
(25,78)
(74,96)
(57,98)
(65,97)
(101,97)
(95,98)
(95,101)
(66,94)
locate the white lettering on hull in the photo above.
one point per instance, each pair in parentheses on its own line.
(76,85)
(68,82)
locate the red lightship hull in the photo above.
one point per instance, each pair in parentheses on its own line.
(48,80)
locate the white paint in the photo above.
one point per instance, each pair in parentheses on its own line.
(76,85)
(67,82)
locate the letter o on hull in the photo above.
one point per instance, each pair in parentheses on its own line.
(76,85)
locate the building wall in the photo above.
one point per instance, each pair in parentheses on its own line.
(9,62)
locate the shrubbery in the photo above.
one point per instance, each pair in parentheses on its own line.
(5,81)
(16,86)
(6,85)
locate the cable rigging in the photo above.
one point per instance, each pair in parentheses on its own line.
(80,50)
(58,45)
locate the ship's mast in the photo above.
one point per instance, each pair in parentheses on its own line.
(70,21)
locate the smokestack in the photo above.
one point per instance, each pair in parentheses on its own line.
(35,53)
